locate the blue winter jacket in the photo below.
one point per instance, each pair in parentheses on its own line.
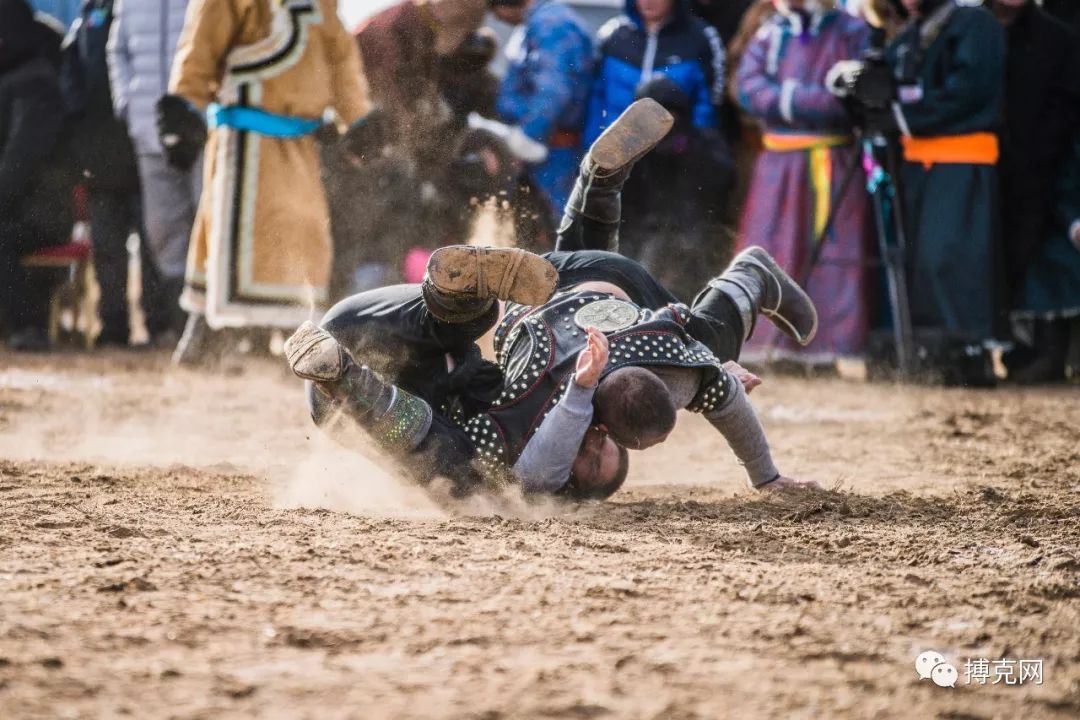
(550,65)
(686,49)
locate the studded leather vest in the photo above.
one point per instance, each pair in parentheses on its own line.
(537,347)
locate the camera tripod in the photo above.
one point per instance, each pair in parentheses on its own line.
(879,158)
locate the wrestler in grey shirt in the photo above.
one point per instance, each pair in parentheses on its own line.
(544,464)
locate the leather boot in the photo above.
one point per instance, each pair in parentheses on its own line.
(757,284)
(463,281)
(397,420)
(596,200)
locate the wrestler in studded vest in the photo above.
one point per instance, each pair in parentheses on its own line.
(537,347)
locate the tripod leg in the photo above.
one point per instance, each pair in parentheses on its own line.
(889,222)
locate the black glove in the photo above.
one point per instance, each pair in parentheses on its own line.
(368,135)
(181,130)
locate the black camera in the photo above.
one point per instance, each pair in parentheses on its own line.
(868,87)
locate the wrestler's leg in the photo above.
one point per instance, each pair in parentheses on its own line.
(592,214)
(463,280)
(585,266)
(346,397)
(394,331)
(724,313)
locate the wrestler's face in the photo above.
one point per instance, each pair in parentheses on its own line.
(912,6)
(597,461)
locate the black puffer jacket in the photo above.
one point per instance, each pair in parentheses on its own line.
(35,182)
(99,140)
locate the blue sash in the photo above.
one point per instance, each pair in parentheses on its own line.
(259,121)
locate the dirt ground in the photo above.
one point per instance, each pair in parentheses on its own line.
(176,545)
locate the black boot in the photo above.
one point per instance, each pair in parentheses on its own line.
(592,214)
(397,420)
(755,283)
(1046,360)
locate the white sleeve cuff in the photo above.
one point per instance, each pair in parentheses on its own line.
(787,94)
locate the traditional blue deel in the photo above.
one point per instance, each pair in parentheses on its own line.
(259,121)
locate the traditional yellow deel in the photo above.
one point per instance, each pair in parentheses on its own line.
(261,249)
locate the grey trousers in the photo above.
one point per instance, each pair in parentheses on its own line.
(170,201)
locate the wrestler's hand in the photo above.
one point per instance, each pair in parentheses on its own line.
(787,484)
(748,379)
(591,360)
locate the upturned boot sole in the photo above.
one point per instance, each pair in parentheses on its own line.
(314,354)
(632,135)
(504,273)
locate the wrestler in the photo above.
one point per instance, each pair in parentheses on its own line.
(455,306)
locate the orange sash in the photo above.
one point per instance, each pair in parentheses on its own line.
(974,149)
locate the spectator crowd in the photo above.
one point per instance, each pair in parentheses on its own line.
(270,161)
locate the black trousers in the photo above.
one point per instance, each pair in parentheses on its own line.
(580,257)
(24,300)
(392,332)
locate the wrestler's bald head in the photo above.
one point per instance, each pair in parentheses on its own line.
(635,407)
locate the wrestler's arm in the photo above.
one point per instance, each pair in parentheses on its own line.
(546,461)
(737,421)
(544,465)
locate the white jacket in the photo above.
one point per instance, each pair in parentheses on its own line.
(142,45)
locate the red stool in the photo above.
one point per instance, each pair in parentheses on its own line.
(73,296)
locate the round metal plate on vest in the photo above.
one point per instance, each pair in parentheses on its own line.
(607,316)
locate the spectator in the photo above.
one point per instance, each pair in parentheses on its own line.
(795,200)
(261,251)
(1067,11)
(652,38)
(1042,102)
(949,65)
(671,222)
(724,15)
(1051,291)
(104,152)
(65,12)
(35,184)
(379,208)
(465,80)
(401,48)
(742,129)
(545,91)
(142,44)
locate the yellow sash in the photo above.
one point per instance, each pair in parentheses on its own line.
(820,166)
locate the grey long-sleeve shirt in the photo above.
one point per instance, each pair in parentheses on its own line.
(545,463)
(735,419)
